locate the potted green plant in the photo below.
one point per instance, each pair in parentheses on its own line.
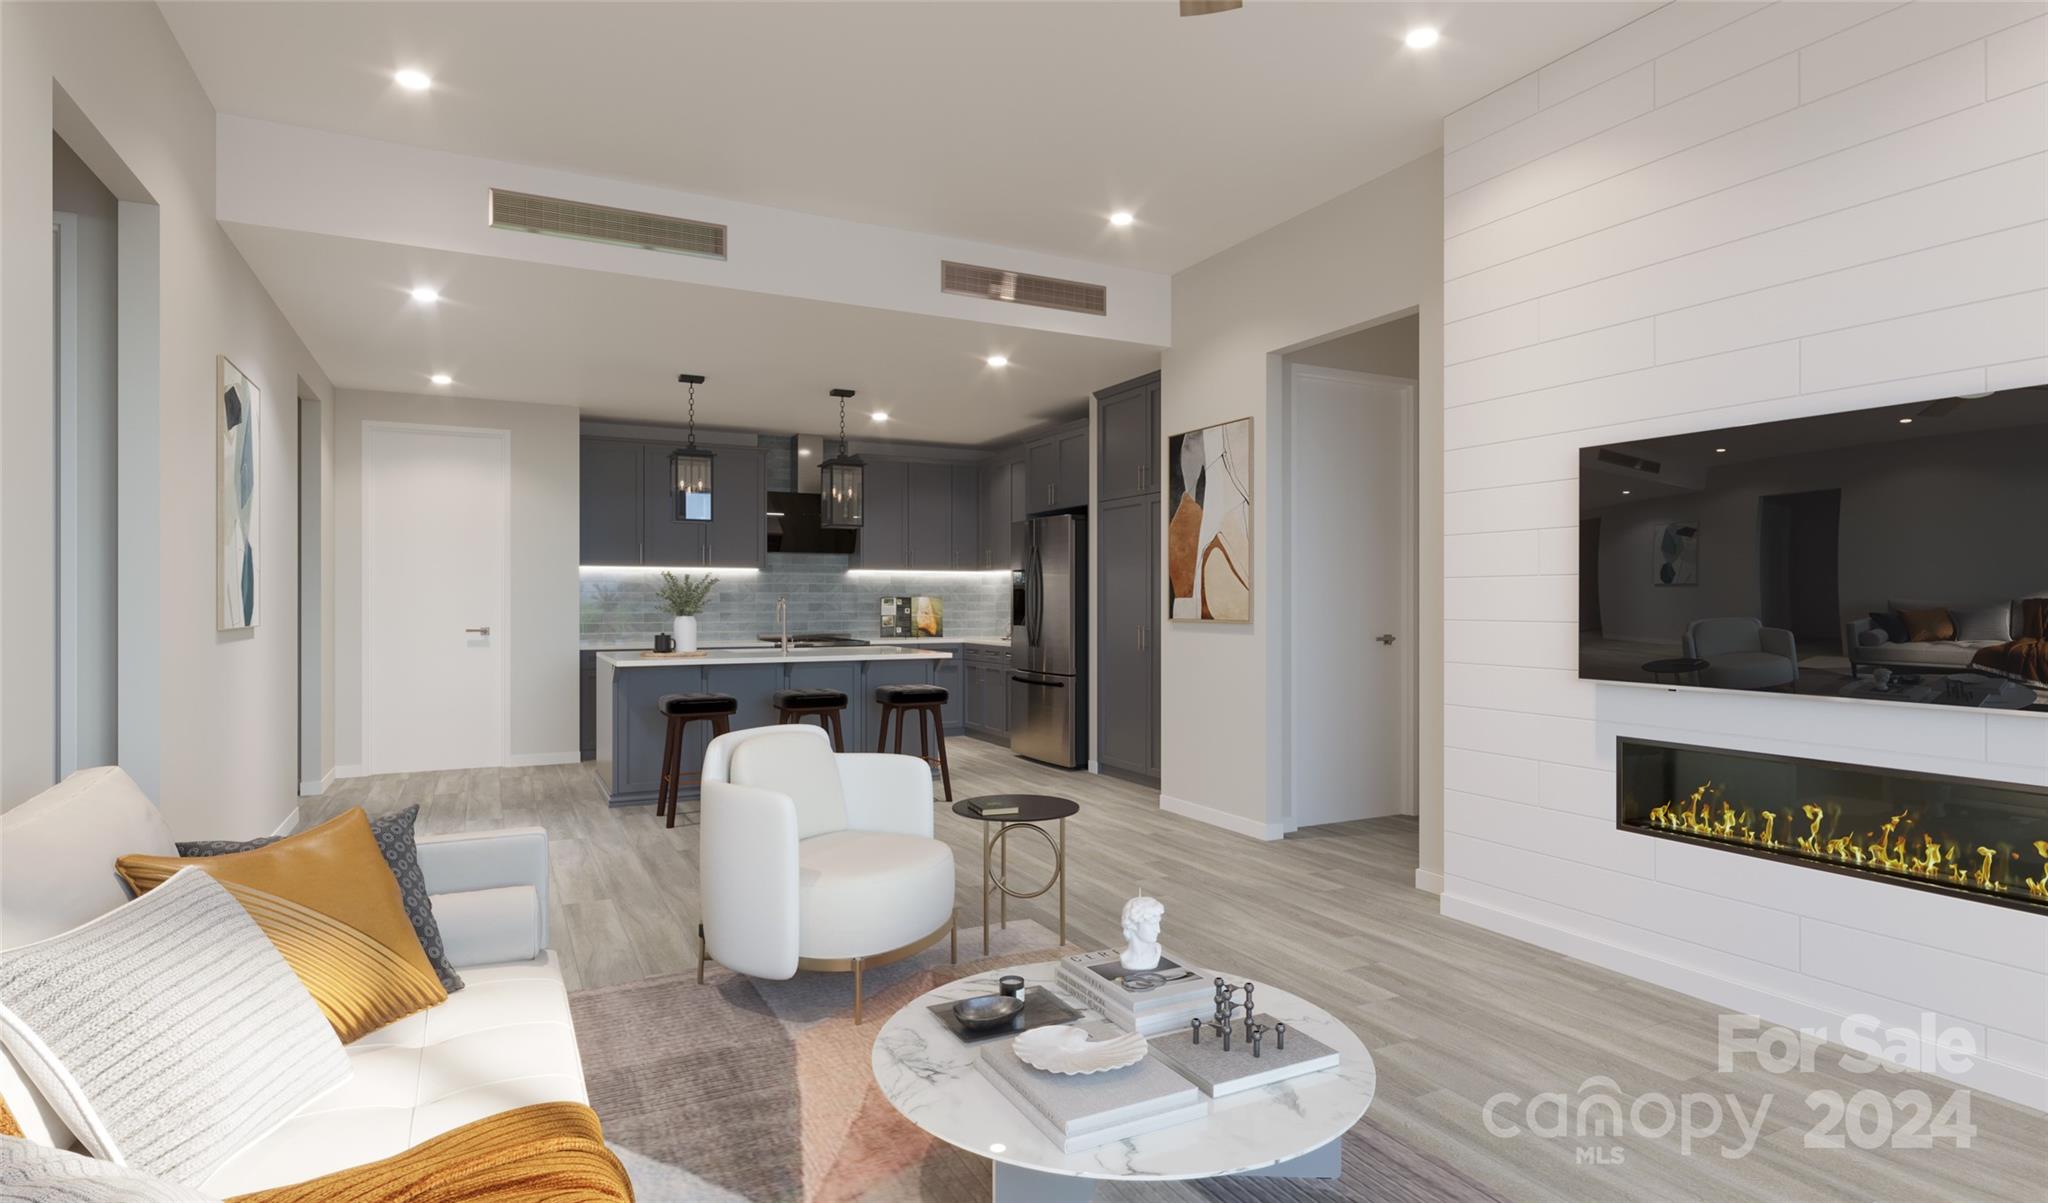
(686,598)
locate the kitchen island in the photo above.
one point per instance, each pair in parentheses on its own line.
(630,728)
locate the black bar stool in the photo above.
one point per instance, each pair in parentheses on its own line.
(794,705)
(682,709)
(924,701)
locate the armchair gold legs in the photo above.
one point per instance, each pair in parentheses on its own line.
(855,965)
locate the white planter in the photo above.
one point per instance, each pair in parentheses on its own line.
(686,632)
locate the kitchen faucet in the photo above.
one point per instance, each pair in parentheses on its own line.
(782,620)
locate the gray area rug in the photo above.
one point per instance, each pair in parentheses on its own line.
(745,1091)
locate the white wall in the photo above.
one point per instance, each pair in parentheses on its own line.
(209,727)
(1347,263)
(545,502)
(1669,231)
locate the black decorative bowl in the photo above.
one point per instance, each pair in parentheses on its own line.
(985,1012)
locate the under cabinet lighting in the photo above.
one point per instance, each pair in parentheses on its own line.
(989,572)
(412,79)
(648,569)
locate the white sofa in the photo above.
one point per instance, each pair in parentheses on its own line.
(1868,647)
(815,859)
(504,1041)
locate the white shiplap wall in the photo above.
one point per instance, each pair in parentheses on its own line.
(1720,214)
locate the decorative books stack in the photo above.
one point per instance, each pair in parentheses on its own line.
(1098,978)
(1081,1111)
(994,807)
(1220,1073)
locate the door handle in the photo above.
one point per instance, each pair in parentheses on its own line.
(476,630)
(1141,638)
(1046,684)
(1384,638)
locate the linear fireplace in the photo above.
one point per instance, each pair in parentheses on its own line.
(1974,839)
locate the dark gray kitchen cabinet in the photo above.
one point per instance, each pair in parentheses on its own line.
(586,704)
(608,519)
(1129,425)
(988,691)
(965,514)
(883,542)
(737,536)
(665,539)
(1002,488)
(1020,491)
(1056,470)
(1127,656)
(952,674)
(928,533)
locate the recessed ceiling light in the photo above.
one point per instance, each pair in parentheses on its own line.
(1624,492)
(879,416)
(999,361)
(412,79)
(1122,217)
(1720,451)
(425,295)
(1905,421)
(1422,37)
(441,378)
(803,451)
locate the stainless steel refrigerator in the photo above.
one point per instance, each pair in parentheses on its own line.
(1049,643)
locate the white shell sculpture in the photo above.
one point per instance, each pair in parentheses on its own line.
(1067,1049)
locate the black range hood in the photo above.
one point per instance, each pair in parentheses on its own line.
(793,527)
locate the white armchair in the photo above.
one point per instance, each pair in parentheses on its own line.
(815,859)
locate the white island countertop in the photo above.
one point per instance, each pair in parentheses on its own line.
(769,654)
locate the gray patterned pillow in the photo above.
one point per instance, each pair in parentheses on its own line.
(395,838)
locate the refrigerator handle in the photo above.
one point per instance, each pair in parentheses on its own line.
(1035,681)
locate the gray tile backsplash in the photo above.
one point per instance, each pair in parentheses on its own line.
(621,604)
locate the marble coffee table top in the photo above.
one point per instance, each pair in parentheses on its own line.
(930,1077)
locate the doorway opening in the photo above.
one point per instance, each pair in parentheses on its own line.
(1349,556)
(316,602)
(1798,565)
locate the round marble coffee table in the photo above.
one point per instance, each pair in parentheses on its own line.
(1288,1129)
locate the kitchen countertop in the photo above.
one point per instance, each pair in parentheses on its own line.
(622,643)
(765,654)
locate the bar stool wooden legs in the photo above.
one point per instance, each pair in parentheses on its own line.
(682,709)
(794,705)
(925,701)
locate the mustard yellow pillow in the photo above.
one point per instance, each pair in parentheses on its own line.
(1928,626)
(327,899)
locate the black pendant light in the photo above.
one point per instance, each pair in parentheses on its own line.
(690,468)
(842,489)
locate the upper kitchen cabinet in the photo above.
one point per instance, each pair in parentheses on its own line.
(1056,470)
(1130,439)
(884,541)
(1001,478)
(609,519)
(927,530)
(965,512)
(665,539)
(629,514)
(738,532)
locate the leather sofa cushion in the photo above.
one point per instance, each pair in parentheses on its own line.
(57,853)
(801,765)
(865,892)
(504,1042)
(328,901)
(488,926)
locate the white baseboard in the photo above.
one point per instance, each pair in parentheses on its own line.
(526,760)
(1429,881)
(2020,1084)
(290,824)
(1220,818)
(313,789)
(1095,767)
(349,770)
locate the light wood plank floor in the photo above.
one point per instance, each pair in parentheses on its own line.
(1452,1014)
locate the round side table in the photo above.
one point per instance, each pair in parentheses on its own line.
(1031,810)
(1677,668)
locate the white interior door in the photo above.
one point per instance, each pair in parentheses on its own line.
(436,597)
(1351,582)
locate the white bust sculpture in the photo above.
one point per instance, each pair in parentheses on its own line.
(1141,920)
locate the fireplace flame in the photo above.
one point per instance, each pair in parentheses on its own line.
(1709,813)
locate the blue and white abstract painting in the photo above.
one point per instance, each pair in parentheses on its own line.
(237,406)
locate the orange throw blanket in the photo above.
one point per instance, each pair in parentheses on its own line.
(2027,656)
(547,1153)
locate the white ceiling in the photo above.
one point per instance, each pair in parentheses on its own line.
(1022,124)
(613,344)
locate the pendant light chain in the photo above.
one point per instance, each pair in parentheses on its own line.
(842,426)
(693,415)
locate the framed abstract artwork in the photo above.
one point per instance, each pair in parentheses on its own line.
(237,406)
(1209,524)
(1677,554)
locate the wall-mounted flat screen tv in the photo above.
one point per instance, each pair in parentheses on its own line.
(1897,554)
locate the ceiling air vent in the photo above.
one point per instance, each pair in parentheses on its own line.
(598,223)
(1018,288)
(1634,463)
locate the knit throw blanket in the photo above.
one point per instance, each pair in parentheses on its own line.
(547,1153)
(2026,657)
